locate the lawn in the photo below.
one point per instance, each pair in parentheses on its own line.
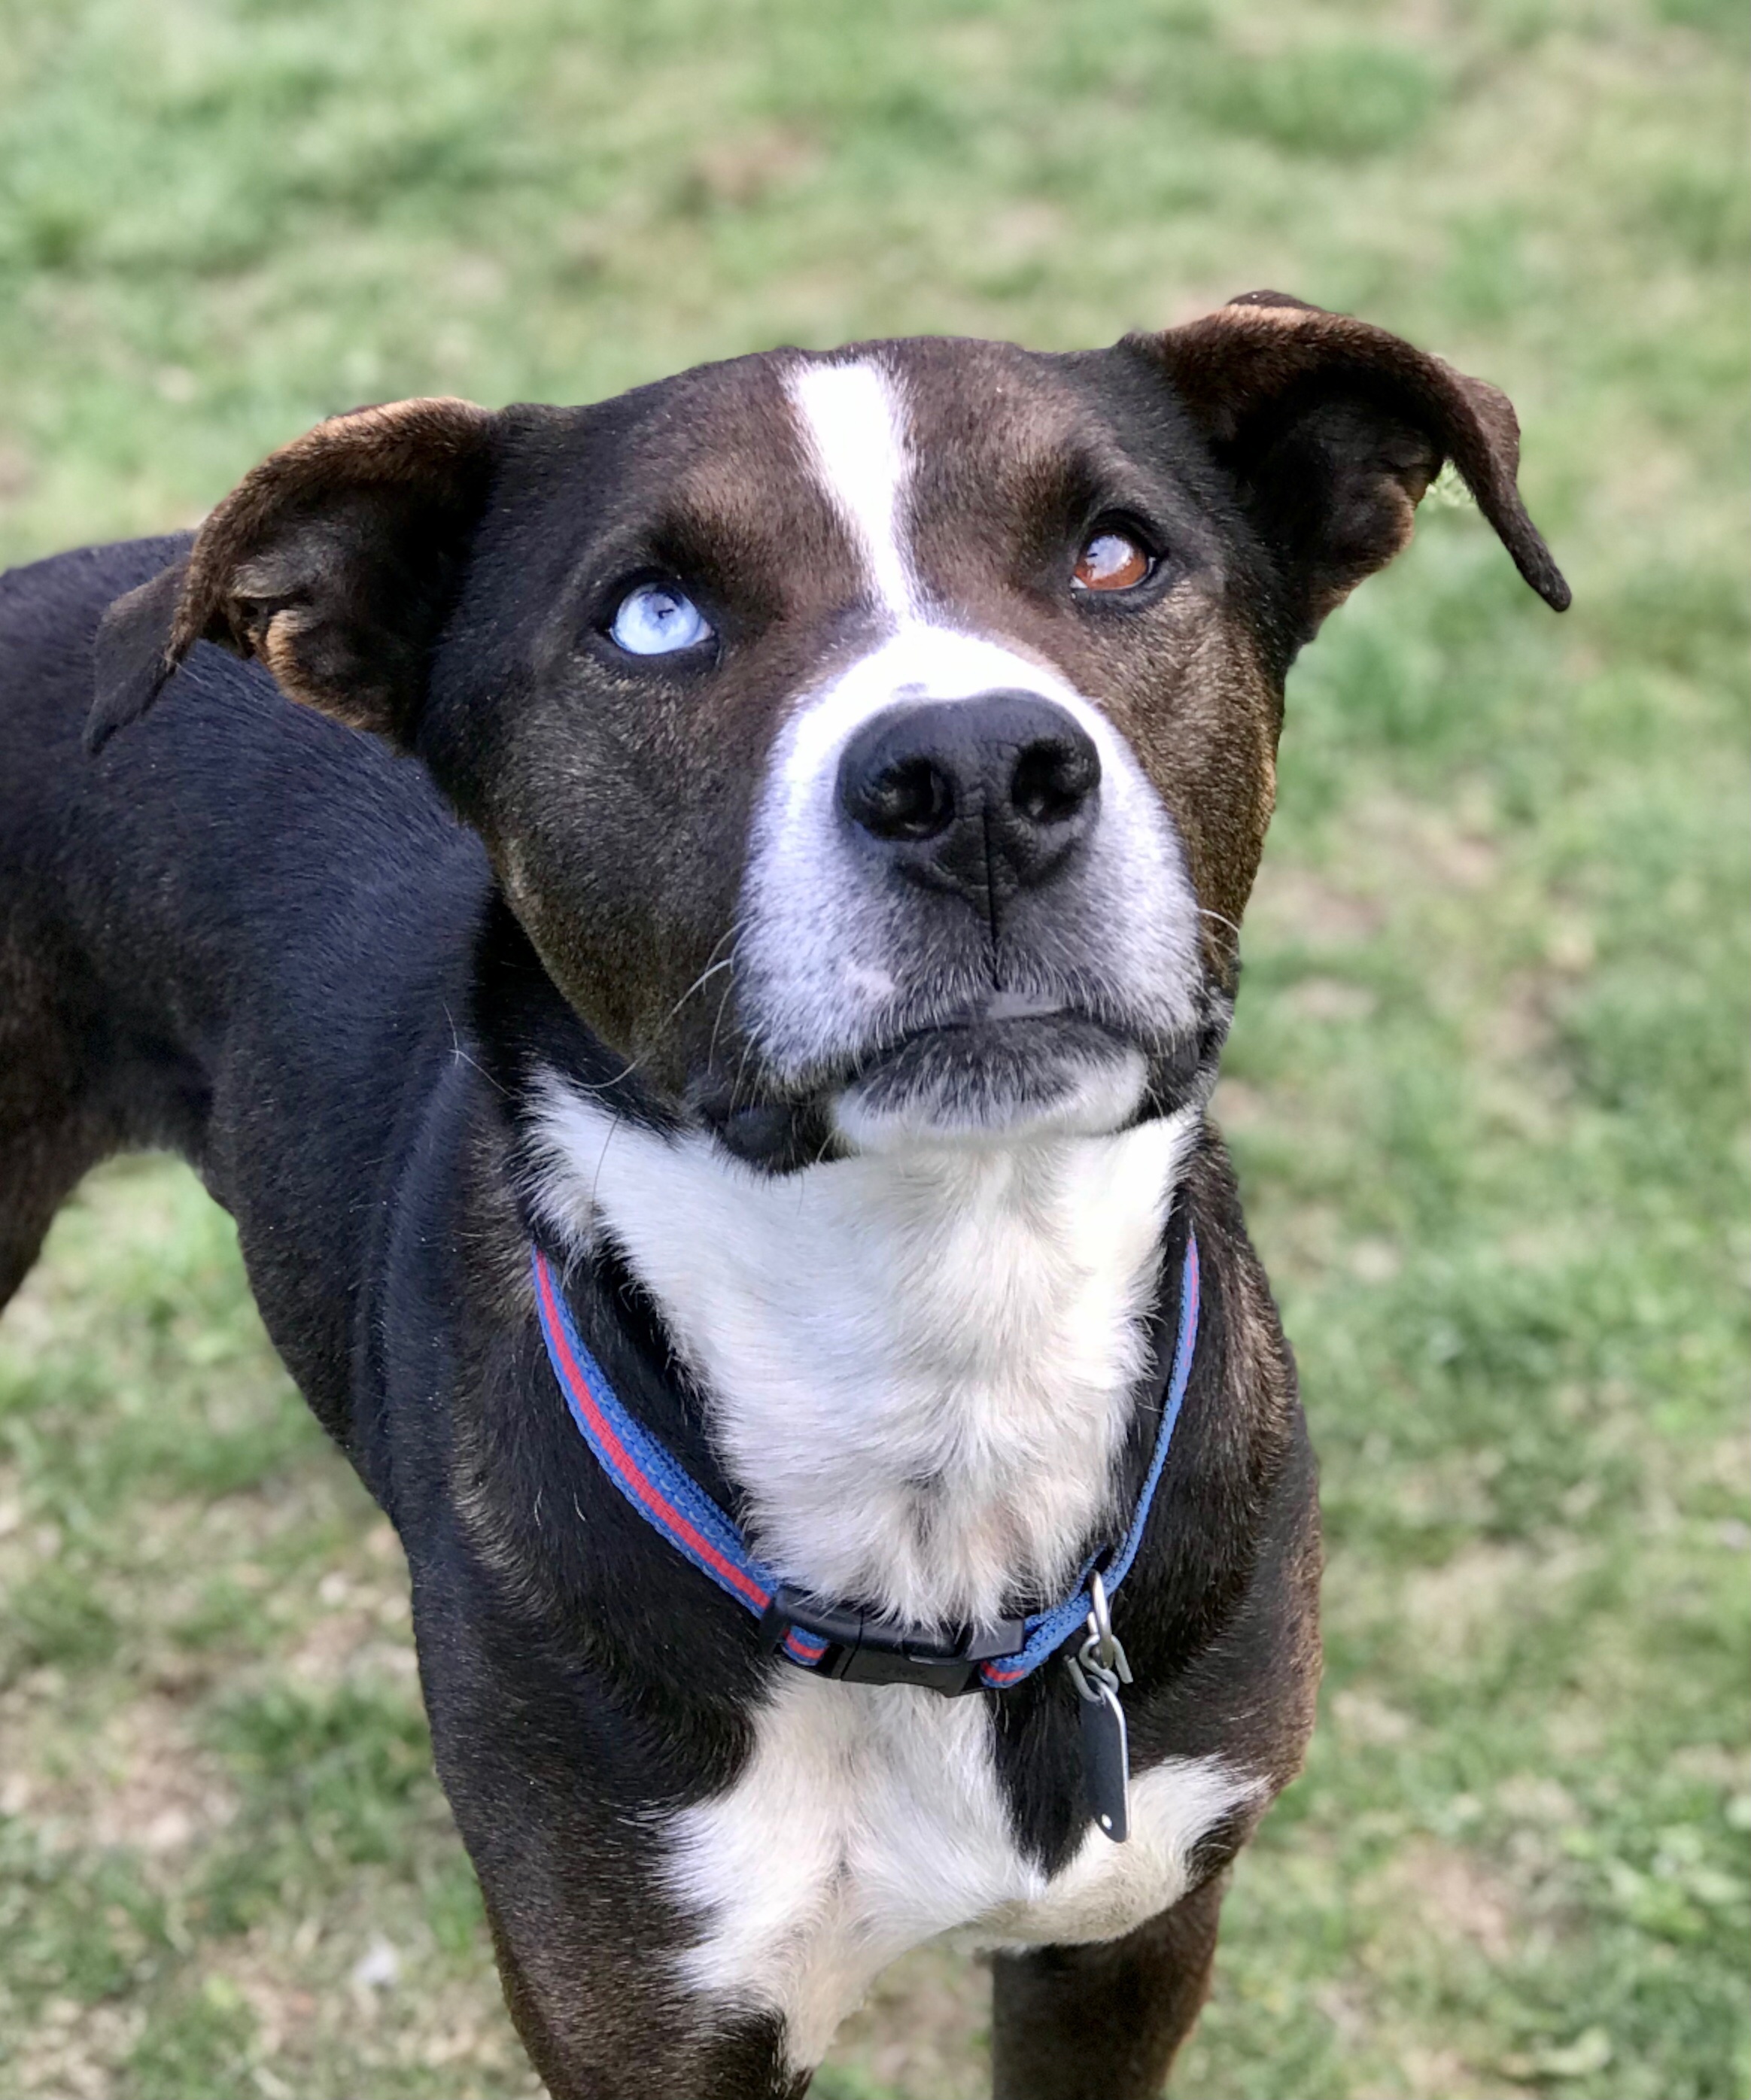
(1486,1087)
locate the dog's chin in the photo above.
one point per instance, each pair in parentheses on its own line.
(995,1079)
(992,1081)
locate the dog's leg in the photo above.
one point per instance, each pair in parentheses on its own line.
(39,1169)
(51,1133)
(556,1786)
(744,2061)
(1103,2022)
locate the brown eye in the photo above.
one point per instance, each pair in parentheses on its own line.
(1111,561)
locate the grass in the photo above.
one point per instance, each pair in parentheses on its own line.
(1486,1089)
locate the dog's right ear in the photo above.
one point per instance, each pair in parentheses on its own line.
(335,561)
(1333,430)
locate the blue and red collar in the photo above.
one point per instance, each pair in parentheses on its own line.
(833,1640)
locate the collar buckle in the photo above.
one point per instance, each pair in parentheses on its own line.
(862,1649)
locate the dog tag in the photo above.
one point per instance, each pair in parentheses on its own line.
(1097,1670)
(1106,1760)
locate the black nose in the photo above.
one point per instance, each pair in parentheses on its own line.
(983,797)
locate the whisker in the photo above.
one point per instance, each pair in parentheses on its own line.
(602,1161)
(463,1056)
(711,970)
(718,1020)
(735,1084)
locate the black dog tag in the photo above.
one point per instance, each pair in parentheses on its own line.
(1106,1761)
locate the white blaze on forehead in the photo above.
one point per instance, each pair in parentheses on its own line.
(853,416)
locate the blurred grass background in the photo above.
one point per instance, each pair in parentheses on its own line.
(1486,1087)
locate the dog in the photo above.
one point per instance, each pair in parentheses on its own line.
(692,936)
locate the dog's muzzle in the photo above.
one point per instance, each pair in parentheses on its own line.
(966,917)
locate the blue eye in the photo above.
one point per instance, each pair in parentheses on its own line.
(657,619)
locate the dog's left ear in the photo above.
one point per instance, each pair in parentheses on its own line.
(335,561)
(1334,430)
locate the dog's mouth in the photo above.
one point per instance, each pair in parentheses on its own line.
(1010,1070)
(1018,1066)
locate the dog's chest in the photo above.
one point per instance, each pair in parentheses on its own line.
(920,1373)
(870,1819)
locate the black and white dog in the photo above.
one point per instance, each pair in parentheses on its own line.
(751,999)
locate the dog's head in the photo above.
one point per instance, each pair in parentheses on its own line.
(877,745)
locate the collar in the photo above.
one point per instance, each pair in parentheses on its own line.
(837,1640)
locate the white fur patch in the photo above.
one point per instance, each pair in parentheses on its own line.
(869,1819)
(854,418)
(919,1367)
(816,962)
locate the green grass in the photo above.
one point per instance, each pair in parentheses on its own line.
(1486,1088)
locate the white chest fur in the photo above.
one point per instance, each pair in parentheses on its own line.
(868,1820)
(918,1367)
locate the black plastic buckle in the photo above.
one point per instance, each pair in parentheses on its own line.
(862,1650)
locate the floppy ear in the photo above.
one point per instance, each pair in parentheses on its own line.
(334,562)
(1334,430)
